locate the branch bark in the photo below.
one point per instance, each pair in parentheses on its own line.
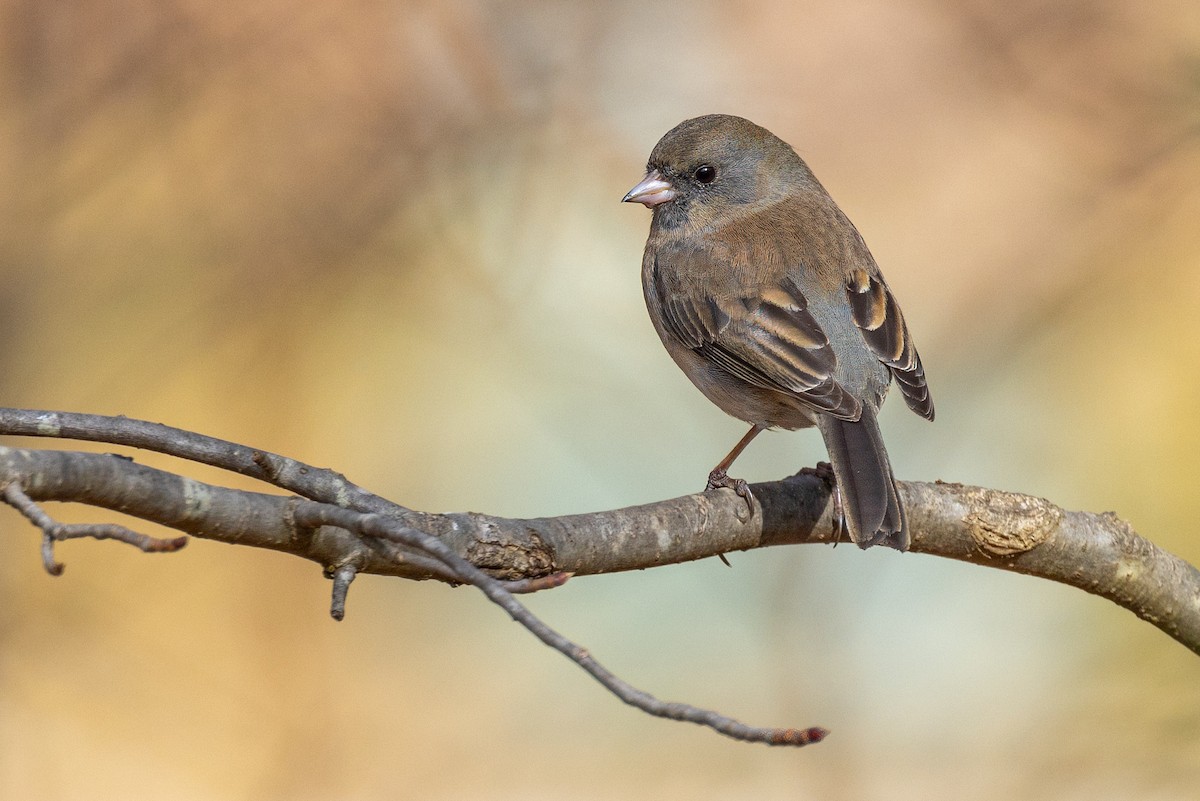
(1099,553)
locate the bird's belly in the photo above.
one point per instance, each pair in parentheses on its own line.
(740,399)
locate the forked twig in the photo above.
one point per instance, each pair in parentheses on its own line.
(310,514)
(53,531)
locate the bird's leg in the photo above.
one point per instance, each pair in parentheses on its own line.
(824,471)
(719,477)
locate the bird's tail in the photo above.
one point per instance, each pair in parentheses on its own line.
(870,504)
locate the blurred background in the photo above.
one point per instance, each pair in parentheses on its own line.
(385,237)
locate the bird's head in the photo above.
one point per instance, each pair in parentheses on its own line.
(708,167)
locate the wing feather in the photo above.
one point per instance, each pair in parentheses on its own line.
(878,317)
(768,339)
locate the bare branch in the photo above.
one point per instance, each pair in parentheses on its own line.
(1098,553)
(314,483)
(301,522)
(359,532)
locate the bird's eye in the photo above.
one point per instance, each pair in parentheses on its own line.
(705,173)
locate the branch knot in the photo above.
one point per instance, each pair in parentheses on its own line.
(1005,524)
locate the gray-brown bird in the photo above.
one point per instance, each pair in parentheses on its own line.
(765,294)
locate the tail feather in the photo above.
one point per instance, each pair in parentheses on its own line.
(870,503)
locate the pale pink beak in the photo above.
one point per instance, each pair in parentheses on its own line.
(652,190)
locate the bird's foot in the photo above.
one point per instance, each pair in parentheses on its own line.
(824,471)
(719,479)
(839,529)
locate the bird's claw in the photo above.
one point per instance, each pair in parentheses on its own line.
(719,479)
(839,517)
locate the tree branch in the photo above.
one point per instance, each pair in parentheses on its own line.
(317,531)
(348,530)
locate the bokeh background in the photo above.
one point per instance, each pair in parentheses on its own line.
(385,237)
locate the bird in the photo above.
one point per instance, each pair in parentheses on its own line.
(766,296)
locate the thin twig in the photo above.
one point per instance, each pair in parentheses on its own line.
(52,566)
(315,483)
(112,531)
(53,531)
(341,585)
(15,497)
(311,514)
